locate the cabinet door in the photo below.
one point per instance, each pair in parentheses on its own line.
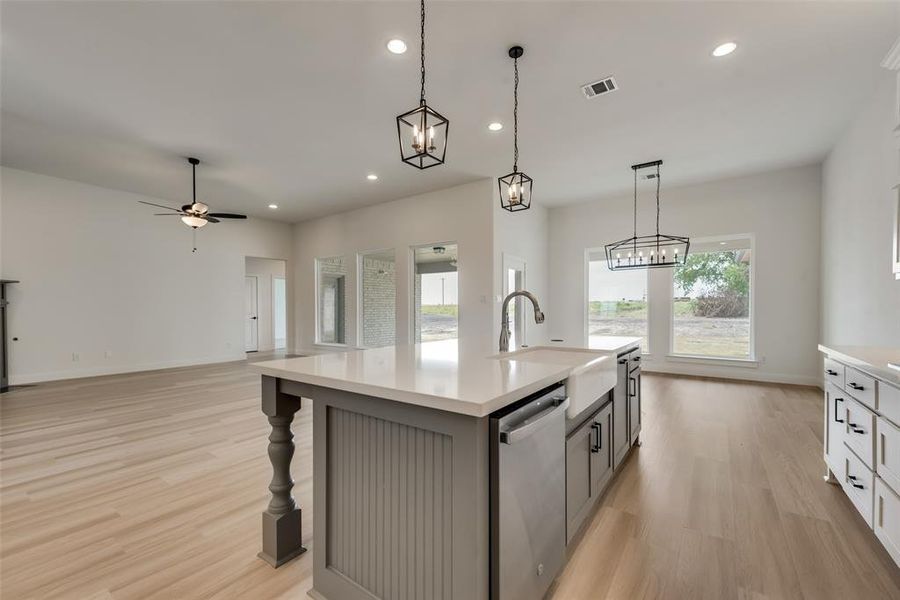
(859,433)
(886,522)
(887,462)
(634,405)
(834,427)
(578,477)
(601,452)
(621,436)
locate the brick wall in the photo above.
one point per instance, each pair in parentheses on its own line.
(379,297)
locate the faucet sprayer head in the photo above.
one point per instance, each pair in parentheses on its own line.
(538,316)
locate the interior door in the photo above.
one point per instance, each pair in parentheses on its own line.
(251,322)
(514,280)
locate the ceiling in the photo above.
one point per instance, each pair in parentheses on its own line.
(293,103)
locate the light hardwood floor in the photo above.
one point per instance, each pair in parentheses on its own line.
(151,486)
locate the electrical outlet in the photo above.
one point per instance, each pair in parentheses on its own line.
(107,354)
(75,357)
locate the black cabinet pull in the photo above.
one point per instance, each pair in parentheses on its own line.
(856,386)
(836,420)
(855,428)
(830,372)
(632,391)
(596,448)
(852,479)
(622,361)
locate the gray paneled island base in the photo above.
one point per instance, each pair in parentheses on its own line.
(401,465)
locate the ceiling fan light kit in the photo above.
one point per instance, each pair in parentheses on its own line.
(647,251)
(515,188)
(196,214)
(422,131)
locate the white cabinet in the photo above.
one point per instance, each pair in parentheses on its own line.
(888,453)
(886,521)
(835,424)
(859,434)
(862,442)
(859,485)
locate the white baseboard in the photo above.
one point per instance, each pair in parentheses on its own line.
(742,374)
(31,378)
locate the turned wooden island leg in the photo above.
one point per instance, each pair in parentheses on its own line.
(281,532)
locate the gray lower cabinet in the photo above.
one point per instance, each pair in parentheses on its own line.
(634,397)
(589,466)
(621,435)
(578,477)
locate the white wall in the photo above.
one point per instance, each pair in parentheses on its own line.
(460,214)
(781,208)
(265,270)
(105,279)
(524,235)
(860,297)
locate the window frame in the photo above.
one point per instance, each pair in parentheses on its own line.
(586,300)
(751,357)
(360,293)
(318,301)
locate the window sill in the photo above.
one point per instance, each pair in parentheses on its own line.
(747,363)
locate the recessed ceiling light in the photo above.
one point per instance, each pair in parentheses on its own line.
(396,46)
(273,206)
(371,176)
(724,49)
(495,126)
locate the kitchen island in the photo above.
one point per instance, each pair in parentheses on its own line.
(401,462)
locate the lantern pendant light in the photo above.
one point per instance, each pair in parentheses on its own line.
(515,188)
(647,251)
(422,131)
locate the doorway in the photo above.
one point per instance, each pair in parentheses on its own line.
(251,318)
(513,281)
(265,304)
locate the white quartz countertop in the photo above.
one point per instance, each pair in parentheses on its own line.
(436,374)
(882,363)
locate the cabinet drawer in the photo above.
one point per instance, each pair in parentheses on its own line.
(859,432)
(857,481)
(889,402)
(860,386)
(834,372)
(886,521)
(887,455)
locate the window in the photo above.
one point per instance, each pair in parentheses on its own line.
(711,312)
(436,293)
(331,278)
(378,299)
(617,301)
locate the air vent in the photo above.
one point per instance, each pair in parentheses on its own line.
(598,88)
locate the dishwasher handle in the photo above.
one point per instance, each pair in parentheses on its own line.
(539,420)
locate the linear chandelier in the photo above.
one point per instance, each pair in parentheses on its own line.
(647,251)
(422,131)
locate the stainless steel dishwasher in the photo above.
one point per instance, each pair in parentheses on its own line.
(528,495)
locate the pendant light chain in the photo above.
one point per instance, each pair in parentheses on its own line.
(194,178)
(516,116)
(657,201)
(422,52)
(635,203)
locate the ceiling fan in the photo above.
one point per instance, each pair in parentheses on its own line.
(196,214)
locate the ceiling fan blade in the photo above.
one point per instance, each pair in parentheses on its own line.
(171,214)
(210,219)
(160,206)
(227,215)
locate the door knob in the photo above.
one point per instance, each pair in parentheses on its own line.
(254,318)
